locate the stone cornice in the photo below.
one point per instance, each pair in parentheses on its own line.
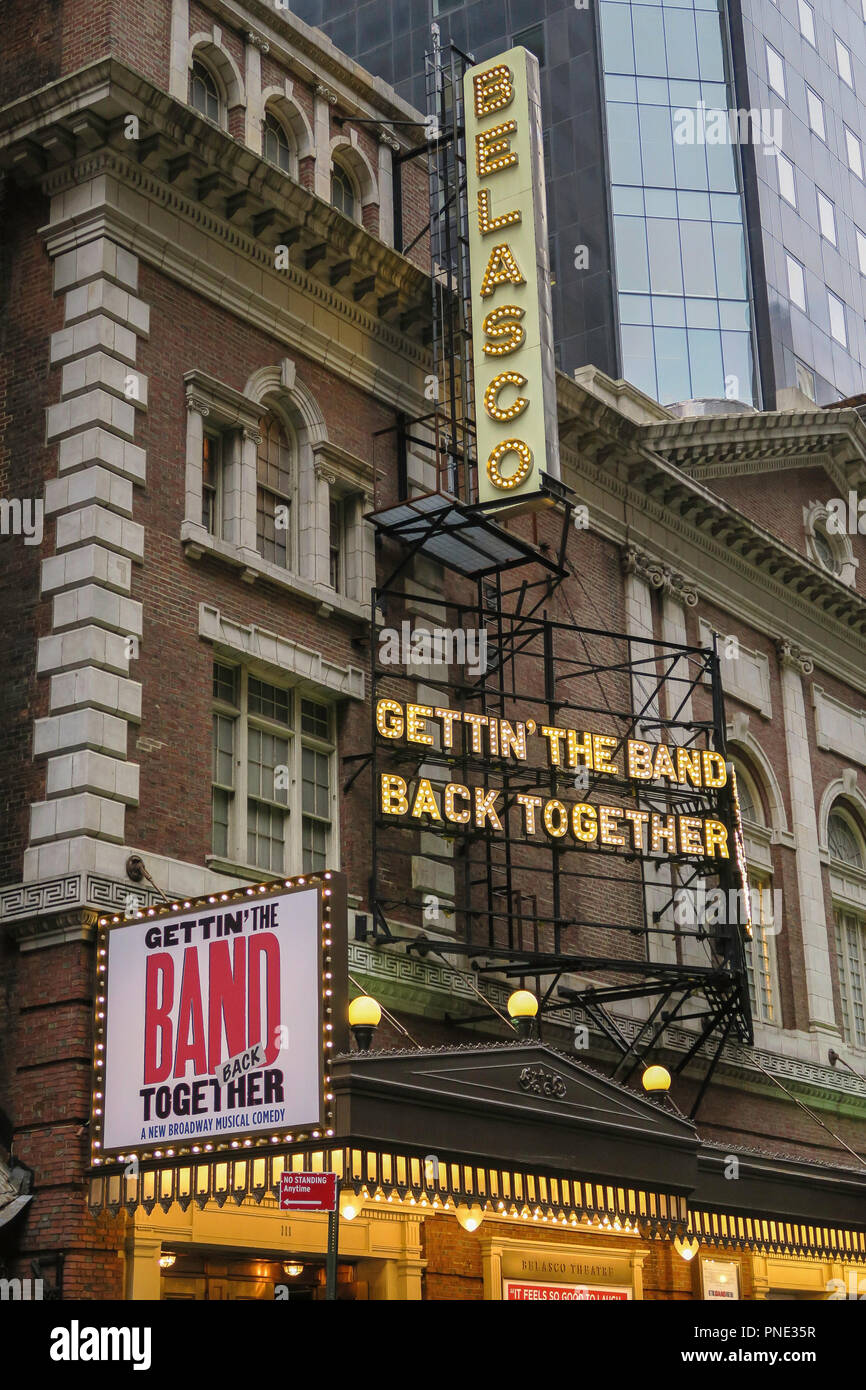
(722,445)
(311,54)
(735,563)
(68,132)
(205,393)
(261,309)
(731,583)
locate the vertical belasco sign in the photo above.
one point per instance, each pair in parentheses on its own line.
(215,1022)
(512,331)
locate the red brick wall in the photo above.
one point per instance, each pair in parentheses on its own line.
(46,1092)
(175,665)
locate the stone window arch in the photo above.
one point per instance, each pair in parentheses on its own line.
(349,159)
(344,196)
(827,545)
(276,484)
(281,112)
(209,60)
(205,93)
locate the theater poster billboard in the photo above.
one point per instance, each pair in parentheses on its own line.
(216,1020)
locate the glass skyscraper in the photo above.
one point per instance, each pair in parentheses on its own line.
(705,168)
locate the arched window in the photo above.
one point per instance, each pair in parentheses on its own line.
(847,847)
(760,948)
(275,481)
(845,841)
(751,804)
(203,91)
(275,144)
(342,192)
(824,548)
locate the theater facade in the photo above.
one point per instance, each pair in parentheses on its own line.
(571,784)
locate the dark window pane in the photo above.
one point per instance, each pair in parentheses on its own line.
(532,40)
(268,700)
(315,719)
(225,683)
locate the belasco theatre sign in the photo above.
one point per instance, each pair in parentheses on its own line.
(213,1021)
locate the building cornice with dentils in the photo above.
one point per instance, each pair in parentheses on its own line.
(74,129)
(312,56)
(636,496)
(726,445)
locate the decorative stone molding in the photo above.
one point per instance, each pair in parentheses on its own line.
(658,575)
(254,299)
(35,934)
(326,94)
(839,727)
(745,676)
(387,138)
(281,653)
(817,514)
(194,402)
(538,1081)
(258,42)
(792,657)
(324,474)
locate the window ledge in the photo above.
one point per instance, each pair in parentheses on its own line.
(228,866)
(196,542)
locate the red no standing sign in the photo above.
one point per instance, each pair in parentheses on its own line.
(308,1192)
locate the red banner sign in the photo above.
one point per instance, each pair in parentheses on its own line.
(562,1293)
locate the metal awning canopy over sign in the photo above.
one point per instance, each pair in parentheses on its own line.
(458,536)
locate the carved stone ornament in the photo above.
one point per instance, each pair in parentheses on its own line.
(326,94)
(538,1081)
(658,575)
(258,42)
(194,402)
(794,657)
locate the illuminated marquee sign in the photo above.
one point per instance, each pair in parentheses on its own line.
(215,1021)
(515,378)
(616,827)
